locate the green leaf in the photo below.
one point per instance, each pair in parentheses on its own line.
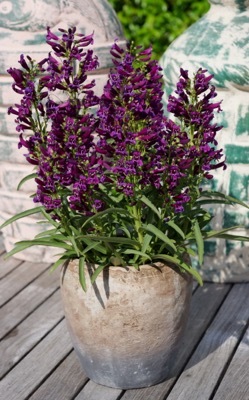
(111,239)
(60,261)
(213,201)
(91,246)
(22,214)
(176,228)
(230,199)
(213,233)
(49,219)
(138,253)
(199,241)
(190,251)
(49,232)
(167,258)
(146,242)
(25,244)
(181,264)
(105,212)
(160,235)
(148,203)
(82,273)
(25,179)
(101,249)
(97,272)
(232,237)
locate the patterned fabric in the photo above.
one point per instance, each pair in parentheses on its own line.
(219,43)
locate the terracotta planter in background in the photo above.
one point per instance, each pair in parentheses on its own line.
(126,327)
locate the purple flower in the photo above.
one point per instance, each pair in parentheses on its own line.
(126,148)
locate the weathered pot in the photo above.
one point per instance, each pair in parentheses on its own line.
(126,327)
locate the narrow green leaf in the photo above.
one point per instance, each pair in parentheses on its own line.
(160,235)
(167,258)
(25,244)
(49,219)
(148,203)
(91,246)
(25,179)
(146,242)
(231,199)
(138,253)
(125,229)
(18,247)
(199,241)
(101,249)
(180,264)
(213,233)
(232,237)
(176,228)
(97,272)
(51,243)
(105,212)
(82,273)
(22,214)
(46,233)
(193,272)
(74,245)
(111,239)
(60,261)
(213,201)
(190,251)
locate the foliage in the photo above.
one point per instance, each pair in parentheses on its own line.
(157,22)
(119,185)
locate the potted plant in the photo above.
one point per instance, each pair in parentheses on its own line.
(120,185)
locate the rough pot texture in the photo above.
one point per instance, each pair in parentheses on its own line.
(126,327)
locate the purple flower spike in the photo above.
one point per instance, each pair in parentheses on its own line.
(128,146)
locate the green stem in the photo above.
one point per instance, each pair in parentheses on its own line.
(138,224)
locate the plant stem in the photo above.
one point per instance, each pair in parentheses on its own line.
(138,224)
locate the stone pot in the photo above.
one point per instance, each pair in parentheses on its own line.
(126,327)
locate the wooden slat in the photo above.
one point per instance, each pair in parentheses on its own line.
(26,376)
(6,266)
(27,300)
(96,392)
(26,335)
(199,379)
(205,303)
(65,382)
(235,385)
(19,278)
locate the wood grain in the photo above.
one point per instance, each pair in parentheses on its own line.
(65,382)
(22,338)
(207,363)
(92,391)
(26,376)
(19,278)
(1,244)
(20,306)
(235,385)
(6,266)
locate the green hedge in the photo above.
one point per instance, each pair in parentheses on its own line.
(157,22)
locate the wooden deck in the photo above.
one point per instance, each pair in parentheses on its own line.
(37,361)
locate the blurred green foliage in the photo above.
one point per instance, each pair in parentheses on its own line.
(157,22)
